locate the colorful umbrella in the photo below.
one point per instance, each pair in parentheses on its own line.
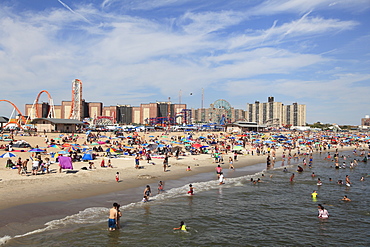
(237,147)
(7,155)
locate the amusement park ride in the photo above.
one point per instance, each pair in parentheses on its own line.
(76,107)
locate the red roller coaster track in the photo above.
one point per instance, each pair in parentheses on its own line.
(19,112)
(37,101)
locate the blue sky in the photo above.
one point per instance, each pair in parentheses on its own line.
(137,51)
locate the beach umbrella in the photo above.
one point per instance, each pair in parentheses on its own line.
(197,145)
(71,149)
(62,152)
(36,150)
(237,147)
(94,143)
(7,155)
(53,146)
(110,150)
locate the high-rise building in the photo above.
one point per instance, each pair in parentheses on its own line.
(269,113)
(276,114)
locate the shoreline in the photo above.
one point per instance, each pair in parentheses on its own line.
(24,218)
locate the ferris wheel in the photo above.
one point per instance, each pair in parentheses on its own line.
(221,111)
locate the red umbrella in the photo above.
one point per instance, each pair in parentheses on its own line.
(197,145)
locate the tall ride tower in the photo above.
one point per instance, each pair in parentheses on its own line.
(76,109)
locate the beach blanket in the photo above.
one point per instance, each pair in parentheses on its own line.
(65,162)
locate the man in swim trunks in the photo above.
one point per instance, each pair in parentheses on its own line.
(113,215)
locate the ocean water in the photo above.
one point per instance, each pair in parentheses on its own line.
(274,212)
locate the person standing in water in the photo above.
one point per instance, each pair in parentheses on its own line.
(191,189)
(160,187)
(147,192)
(323,213)
(113,216)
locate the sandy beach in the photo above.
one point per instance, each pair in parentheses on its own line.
(72,184)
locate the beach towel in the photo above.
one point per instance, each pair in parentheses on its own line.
(65,162)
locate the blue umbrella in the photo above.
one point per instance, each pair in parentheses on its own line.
(63,152)
(7,155)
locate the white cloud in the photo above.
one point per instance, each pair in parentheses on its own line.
(131,59)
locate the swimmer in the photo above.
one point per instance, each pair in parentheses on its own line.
(313,174)
(323,213)
(285,170)
(191,190)
(348,182)
(292,177)
(299,169)
(362,179)
(182,227)
(345,198)
(319,182)
(314,194)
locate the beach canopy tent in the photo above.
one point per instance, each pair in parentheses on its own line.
(87,156)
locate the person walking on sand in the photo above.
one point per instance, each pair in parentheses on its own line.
(113,215)
(137,161)
(117,177)
(231,163)
(165,163)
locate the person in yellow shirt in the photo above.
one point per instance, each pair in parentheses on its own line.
(314,195)
(182,227)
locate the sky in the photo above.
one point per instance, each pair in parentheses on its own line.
(314,52)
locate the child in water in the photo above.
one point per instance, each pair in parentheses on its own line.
(191,189)
(182,227)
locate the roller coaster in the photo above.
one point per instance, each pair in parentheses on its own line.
(34,112)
